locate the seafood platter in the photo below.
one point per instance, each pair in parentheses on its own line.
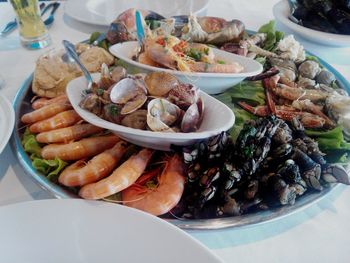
(264,148)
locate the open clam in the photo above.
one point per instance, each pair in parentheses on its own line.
(129,92)
(193,117)
(161,114)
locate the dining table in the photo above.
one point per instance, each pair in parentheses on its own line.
(319,232)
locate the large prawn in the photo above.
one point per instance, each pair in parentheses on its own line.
(41,102)
(46,111)
(81,173)
(122,177)
(164,196)
(75,132)
(60,120)
(79,150)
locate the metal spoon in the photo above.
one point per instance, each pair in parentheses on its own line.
(74,55)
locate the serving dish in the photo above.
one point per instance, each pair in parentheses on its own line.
(211,83)
(77,228)
(210,126)
(103,12)
(281,11)
(7,121)
(22,105)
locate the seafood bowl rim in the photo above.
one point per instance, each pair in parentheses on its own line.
(253,219)
(281,11)
(94,119)
(259,67)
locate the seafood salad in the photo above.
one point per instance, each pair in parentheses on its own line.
(156,101)
(290,138)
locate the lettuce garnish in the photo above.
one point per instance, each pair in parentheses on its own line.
(50,168)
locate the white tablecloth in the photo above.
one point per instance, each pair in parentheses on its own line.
(319,233)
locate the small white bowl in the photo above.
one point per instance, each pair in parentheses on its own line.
(217,118)
(211,83)
(281,11)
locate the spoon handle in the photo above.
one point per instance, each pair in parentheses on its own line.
(73,53)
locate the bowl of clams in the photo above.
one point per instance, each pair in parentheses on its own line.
(153,110)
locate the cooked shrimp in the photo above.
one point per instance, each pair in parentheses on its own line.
(60,120)
(46,112)
(81,173)
(79,150)
(165,196)
(215,67)
(75,132)
(121,178)
(41,102)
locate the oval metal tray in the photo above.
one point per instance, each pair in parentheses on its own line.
(22,105)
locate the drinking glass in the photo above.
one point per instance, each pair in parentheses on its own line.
(32,31)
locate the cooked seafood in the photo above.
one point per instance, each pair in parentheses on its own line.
(81,172)
(164,195)
(122,177)
(156,101)
(271,162)
(60,120)
(80,149)
(68,134)
(213,30)
(170,52)
(46,112)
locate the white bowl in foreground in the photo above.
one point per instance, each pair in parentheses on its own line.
(211,83)
(217,118)
(76,231)
(281,11)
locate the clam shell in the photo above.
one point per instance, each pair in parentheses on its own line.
(160,83)
(129,92)
(161,114)
(193,117)
(125,90)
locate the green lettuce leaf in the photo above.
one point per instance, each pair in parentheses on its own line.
(50,168)
(272,36)
(30,144)
(332,143)
(251,92)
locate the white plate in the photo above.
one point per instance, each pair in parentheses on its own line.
(281,12)
(103,12)
(74,230)
(211,83)
(217,118)
(7,121)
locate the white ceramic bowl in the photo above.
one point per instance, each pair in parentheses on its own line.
(217,118)
(76,231)
(281,12)
(211,83)
(103,12)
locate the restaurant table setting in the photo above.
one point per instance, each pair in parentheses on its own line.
(315,229)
